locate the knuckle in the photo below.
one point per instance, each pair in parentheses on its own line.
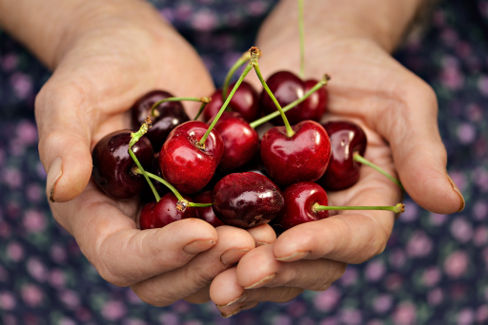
(150,295)
(111,276)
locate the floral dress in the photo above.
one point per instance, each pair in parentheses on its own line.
(434,270)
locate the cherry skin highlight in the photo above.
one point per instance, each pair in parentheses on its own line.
(244,102)
(165,211)
(113,167)
(302,157)
(184,163)
(240,140)
(169,115)
(346,138)
(299,201)
(246,199)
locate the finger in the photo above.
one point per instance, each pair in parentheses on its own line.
(64,141)
(259,269)
(350,236)
(200,297)
(231,298)
(120,252)
(263,234)
(168,287)
(404,112)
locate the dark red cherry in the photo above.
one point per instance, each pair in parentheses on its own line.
(287,87)
(165,211)
(169,115)
(244,102)
(240,140)
(246,199)
(184,163)
(113,168)
(346,138)
(299,201)
(207,213)
(302,157)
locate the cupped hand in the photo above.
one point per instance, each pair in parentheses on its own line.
(398,112)
(112,54)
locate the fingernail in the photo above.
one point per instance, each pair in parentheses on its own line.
(262,243)
(458,192)
(293,257)
(261,282)
(249,305)
(232,255)
(53,175)
(230,314)
(198,246)
(239,299)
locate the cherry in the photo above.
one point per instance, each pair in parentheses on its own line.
(299,200)
(167,116)
(167,210)
(187,164)
(241,141)
(246,199)
(307,201)
(287,87)
(301,157)
(244,102)
(207,213)
(346,138)
(113,168)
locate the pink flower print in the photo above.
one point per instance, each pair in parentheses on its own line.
(461,230)
(382,303)
(465,316)
(481,236)
(451,77)
(9,62)
(22,85)
(58,253)
(328,299)
(480,210)
(37,269)
(411,212)
(456,264)
(15,251)
(351,316)
(405,314)
(26,133)
(113,310)
(34,221)
(32,295)
(281,320)
(419,245)
(7,301)
(57,278)
(204,20)
(169,319)
(483,85)
(12,177)
(431,276)
(466,133)
(375,270)
(70,299)
(482,314)
(435,297)
(437,219)
(349,277)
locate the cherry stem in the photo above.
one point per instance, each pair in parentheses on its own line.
(293,104)
(398,208)
(225,104)
(360,159)
(181,199)
(205,101)
(289,130)
(240,62)
(301,31)
(155,113)
(134,137)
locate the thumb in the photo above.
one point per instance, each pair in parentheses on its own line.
(64,140)
(418,152)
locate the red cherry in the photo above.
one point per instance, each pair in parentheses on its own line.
(169,115)
(244,102)
(184,163)
(241,141)
(299,200)
(165,211)
(113,166)
(287,87)
(207,213)
(302,157)
(246,199)
(346,138)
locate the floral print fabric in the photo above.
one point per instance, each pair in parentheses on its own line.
(434,270)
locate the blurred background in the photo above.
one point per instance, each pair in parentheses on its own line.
(434,270)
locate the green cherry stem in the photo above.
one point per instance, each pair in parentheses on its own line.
(205,101)
(301,31)
(155,113)
(239,63)
(360,159)
(264,119)
(134,137)
(289,130)
(180,198)
(398,208)
(224,105)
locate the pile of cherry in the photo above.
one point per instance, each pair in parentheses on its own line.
(222,171)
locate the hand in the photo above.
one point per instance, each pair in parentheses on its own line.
(398,112)
(115,53)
